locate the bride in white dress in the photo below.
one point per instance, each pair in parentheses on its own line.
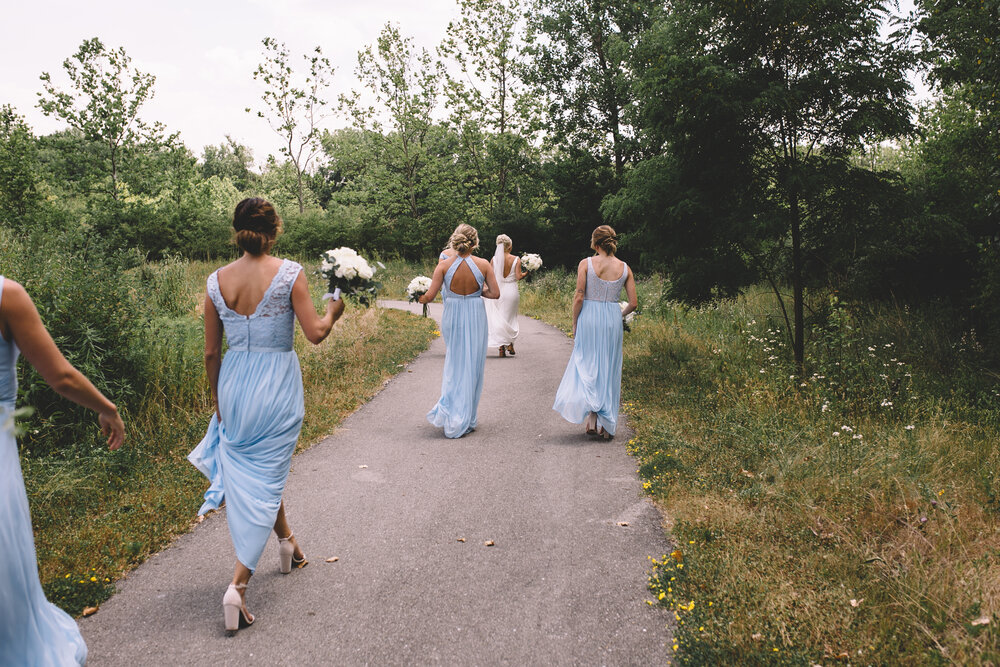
(502,313)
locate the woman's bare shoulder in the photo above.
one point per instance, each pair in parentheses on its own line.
(14,294)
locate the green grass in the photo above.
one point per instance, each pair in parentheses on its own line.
(98,514)
(878,545)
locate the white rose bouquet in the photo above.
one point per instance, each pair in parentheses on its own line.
(530,262)
(417,288)
(626,319)
(349,273)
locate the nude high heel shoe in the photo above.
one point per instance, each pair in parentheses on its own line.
(286,556)
(233,610)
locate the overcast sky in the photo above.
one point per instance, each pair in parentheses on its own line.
(202,53)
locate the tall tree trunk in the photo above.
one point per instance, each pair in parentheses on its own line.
(114,173)
(302,204)
(798,338)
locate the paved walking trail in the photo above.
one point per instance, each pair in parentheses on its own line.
(390,496)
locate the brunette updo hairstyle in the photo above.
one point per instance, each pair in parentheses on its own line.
(256,225)
(464,239)
(604,238)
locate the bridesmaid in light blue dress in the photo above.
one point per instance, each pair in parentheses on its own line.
(464,282)
(590,390)
(33,631)
(257,387)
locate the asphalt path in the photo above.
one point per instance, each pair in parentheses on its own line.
(408,514)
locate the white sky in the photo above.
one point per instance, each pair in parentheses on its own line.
(203,53)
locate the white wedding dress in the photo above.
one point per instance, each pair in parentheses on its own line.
(502,313)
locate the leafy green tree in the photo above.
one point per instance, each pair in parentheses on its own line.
(294,109)
(580,64)
(232,160)
(756,105)
(489,103)
(18,167)
(107,95)
(961,154)
(405,84)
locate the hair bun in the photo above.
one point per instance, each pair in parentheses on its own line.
(256,225)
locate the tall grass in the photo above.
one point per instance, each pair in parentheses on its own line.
(850,515)
(97,513)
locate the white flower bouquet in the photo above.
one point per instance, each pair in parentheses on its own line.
(530,262)
(349,273)
(626,319)
(417,288)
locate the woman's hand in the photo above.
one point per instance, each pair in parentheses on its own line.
(112,427)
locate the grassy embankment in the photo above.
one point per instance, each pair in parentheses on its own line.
(848,516)
(98,514)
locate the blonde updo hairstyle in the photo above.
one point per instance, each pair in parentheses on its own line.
(256,225)
(604,238)
(464,239)
(505,241)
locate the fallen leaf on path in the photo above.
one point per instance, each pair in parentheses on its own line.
(623,523)
(332,559)
(461,539)
(362,466)
(982,620)
(488,543)
(87,611)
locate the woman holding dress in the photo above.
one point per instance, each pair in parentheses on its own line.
(591,386)
(502,313)
(33,631)
(257,390)
(462,279)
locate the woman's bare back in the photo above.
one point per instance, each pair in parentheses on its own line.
(244,282)
(607,267)
(464,281)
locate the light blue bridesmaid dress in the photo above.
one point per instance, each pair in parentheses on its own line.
(465,330)
(247,456)
(33,631)
(593,378)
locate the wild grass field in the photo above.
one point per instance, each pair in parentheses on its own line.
(96,513)
(846,516)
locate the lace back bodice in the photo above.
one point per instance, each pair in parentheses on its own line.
(599,289)
(271,327)
(446,293)
(8,368)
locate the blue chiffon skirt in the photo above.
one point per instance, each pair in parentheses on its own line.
(247,457)
(465,333)
(593,378)
(33,631)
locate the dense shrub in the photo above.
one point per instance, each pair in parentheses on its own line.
(92,303)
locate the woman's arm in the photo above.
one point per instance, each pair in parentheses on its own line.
(633,300)
(491,288)
(315,328)
(518,273)
(37,346)
(581,290)
(213,350)
(436,281)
